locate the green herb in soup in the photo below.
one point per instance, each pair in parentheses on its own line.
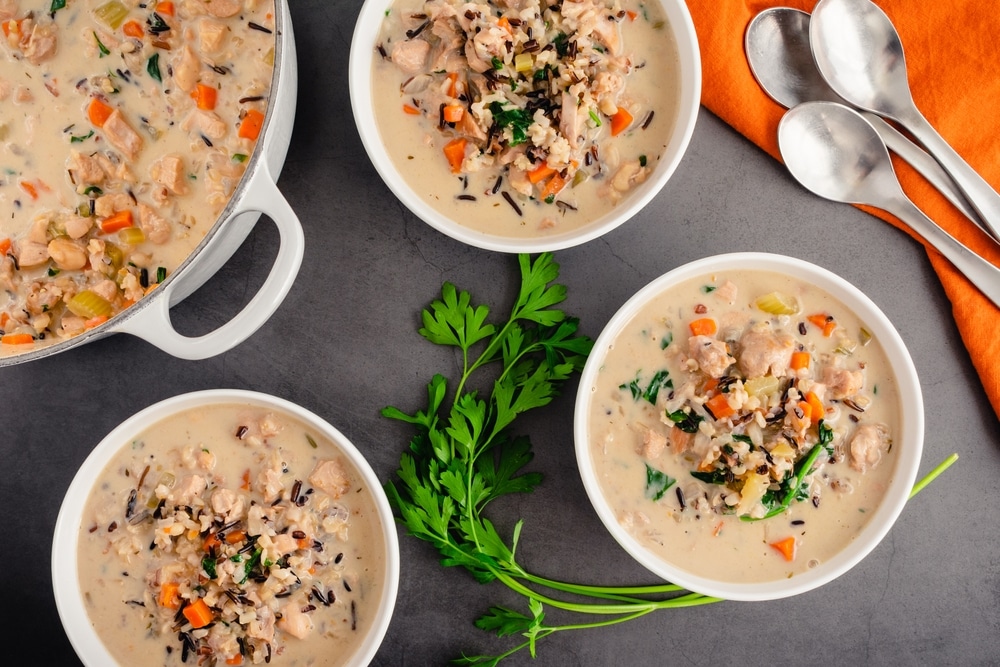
(771,413)
(524,118)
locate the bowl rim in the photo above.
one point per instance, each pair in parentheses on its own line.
(65,574)
(361,59)
(909,440)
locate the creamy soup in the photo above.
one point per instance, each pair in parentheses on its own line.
(742,426)
(232,534)
(522,118)
(125,129)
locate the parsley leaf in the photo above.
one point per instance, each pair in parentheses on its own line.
(518,120)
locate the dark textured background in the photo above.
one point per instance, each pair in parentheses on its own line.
(344,344)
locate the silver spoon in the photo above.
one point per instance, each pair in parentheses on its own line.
(777,48)
(834,152)
(859,53)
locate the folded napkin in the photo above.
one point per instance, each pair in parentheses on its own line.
(953,66)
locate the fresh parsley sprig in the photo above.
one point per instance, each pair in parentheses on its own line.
(463,456)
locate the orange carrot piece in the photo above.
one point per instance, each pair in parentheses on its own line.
(235,660)
(95,321)
(251,124)
(452,84)
(166,8)
(17,339)
(807,410)
(504,23)
(29,188)
(246,480)
(11,25)
(717,529)
(5,245)
(235,536)
(412,110)
(118,221)
(98,112)
(540,173)
(170,595)
(786,547)
(799,360)
(205,97)
(631,15)
(133,29)
(198,614)
(620,121)
(453,113)
(710,385)
(454,150)
(817,409)
(719,406)
(553,187)
(824,322)
(703,326)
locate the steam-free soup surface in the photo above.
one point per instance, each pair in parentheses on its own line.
(231,533)
(525,119)
(707,408)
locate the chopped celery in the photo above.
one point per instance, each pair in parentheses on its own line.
(112,14)
(131,236)
(761,386)
(88,304)
(777,303)
(523,62)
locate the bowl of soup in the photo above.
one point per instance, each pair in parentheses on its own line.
(225,525)
(142,144)
(523,127)
(749,426)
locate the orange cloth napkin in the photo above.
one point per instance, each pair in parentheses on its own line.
(954,72)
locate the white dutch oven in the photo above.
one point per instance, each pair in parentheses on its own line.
(256,194)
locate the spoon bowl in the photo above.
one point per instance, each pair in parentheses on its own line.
(837,154)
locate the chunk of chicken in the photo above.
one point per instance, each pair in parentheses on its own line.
(570,119)
(329,476)
(168,171)
(222,9)
(294,621)
(867,446)
(227,503)
(653,443)
(41,43)
(842,383)
(186,67)
(121,135)
(211,35)
(762,351)
(84,169)
(31,253)
(410,55)
(711,355)
(110,204)
(205,123)
(155,227)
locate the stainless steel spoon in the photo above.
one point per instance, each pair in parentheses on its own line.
(777,48)
(834,152)
(859,53)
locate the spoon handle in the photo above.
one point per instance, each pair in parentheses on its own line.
(979,193)
(927,166)
(980,272)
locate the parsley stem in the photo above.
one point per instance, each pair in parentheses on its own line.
(932,475)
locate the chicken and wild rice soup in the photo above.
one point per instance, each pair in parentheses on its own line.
(522,118)
(742,426)
(125,128)
(235,535)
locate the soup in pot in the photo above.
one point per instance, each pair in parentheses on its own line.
(125,129)
(742,424)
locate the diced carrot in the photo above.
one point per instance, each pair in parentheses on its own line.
(235,660)
(540,173)
(17,339)
(710,385)
(170,595)
(4,319)
(717,529)
(98,112)
(703,326)
(620,121)
(95,321)
(412,110)
(198,614)
(824,322)
(818,410)
(29,188)
(235,536)
(453,113)
(211,541)
(304,542)
(785,547)
(454,150)
(806,409)
(246,480)
(799,360)
(504,23)
(553,187)
(631,15)
(251,124)
(117,222)
(166,8)
(133,29)
(719,406)
(5,245)
(205,97)
(452,84)
(11,26)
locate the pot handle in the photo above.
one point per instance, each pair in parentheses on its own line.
(152,323)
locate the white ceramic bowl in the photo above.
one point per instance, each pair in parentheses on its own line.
(363,52)
(907,444)
(65,573)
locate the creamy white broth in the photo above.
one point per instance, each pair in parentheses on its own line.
(165,159)
(705,536)
(264,458)
(415,141)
